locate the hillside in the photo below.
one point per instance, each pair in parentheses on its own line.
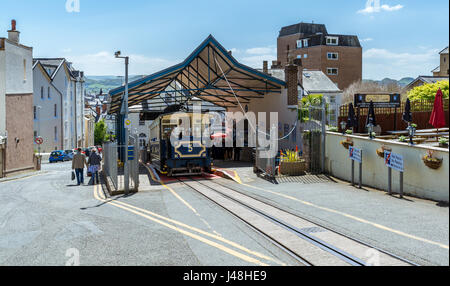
(388,81)
(105,83)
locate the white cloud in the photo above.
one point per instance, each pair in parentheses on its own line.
(382,63)
(261,50)
(104,63)
(254,57)
(374,6)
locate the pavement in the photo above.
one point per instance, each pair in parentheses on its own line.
(414,229)
(47,220)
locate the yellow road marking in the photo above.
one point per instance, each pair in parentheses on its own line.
(216,236)
(354,218)
(130,208)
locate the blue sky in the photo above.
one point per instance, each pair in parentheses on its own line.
(400,38)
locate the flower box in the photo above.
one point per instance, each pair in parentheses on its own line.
(293,168)
(347,144)
(380,151)
(432,163)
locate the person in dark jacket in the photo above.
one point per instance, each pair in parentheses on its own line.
(94,163)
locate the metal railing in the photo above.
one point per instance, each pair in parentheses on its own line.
(114,169)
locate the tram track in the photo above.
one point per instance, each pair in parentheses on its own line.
(279,221)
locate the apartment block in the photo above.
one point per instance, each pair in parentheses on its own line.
(337,56)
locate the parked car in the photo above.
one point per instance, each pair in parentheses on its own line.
(56,156)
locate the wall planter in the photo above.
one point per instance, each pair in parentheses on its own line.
(293,168)
(347,143)
(432,162)
(380,151)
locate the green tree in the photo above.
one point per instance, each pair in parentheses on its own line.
(100,132)
(428,91)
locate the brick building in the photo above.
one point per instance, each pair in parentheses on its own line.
(338,56)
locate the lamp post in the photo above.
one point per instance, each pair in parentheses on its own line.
(370,128)
(124,111)
(343,125)
(39,128)
(411,133)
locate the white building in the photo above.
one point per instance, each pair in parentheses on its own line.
(16,104)
(59,92)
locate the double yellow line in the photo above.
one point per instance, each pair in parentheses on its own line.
(192,233)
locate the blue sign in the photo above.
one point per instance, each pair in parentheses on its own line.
(130,153)
(355,154)
(394,161)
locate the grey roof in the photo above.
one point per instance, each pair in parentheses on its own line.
(426,79)
(444,51)
(303,28)
(317,81)
(344,40)
(438,69)
(313,81)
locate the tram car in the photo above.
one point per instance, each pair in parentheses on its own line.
(188,155)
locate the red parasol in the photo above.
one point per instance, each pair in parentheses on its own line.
(437,116)
(218,135)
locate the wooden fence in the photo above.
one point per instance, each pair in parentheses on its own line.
(390,119)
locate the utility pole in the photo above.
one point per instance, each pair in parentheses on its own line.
(39,128)
(124,111)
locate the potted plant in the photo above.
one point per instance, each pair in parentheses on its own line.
(431,161)
(380,151)
(402,139)
(291,164)
(443,142)
(347,143)
(349,132)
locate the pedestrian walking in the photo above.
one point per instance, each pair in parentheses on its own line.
(94,162)
(78,164)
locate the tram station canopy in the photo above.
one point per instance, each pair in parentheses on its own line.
(210,73)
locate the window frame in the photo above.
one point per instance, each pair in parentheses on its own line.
(328,71)
(331,58)
(329,43)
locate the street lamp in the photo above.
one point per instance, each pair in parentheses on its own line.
(124,111)
(343,125)
(39,127)
(370,128)
(411,132)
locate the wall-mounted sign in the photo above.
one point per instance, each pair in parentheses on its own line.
(379,100)
(355,154)
(394,161)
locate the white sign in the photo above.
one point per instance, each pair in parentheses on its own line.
(355,154)
(394,161)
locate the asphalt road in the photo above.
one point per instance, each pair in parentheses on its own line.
(46,220)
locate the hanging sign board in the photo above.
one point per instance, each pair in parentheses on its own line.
(355,154)
(394,161)
(379,100)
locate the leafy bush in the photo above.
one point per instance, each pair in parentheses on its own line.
(349,132)
(428,91)
(402,139)
(443,141)
(333,129)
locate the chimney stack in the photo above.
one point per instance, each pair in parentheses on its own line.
(291,78)
(298,63)
(266,67)
(13,34)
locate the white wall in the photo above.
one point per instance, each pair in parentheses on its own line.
(419,180)
(2,92)
(46,120)
(275,102)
